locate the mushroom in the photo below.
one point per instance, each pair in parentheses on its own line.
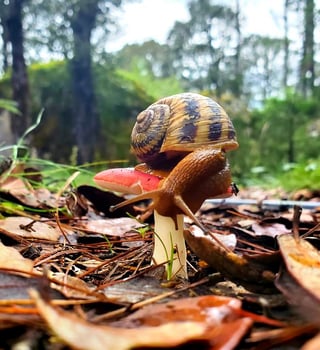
(185,137)
(168,233)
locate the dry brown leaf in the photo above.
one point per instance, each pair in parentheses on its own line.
(35,198)
(302,261)
(10,258)
(134,290)
(112,227)
(300,281)
(221,315)
(229,241)
(307,216)
(251,274)
(26,227)
(82,335)
(271,230)
(211,309)
(71,287)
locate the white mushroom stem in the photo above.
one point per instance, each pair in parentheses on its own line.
(169,245)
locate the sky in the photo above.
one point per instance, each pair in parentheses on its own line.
(142,20)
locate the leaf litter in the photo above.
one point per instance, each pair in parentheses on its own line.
(66,262)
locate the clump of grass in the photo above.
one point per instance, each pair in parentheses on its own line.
(304,175)
(291,177)
(39,173)
(54,175)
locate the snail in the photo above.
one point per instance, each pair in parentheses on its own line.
(183,139)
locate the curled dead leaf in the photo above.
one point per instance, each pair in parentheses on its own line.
(299,281)
(222,316)
(82,335)
(253,275)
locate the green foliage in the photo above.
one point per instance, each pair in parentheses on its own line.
(264,140)
(50,90)
(119,100)
(55,175)
(291,177)
(10,106)
(284,131)
(142,230)
(303,175)
(120,96)
(143,78)
(150,57)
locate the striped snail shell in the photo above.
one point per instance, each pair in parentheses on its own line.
(181,124)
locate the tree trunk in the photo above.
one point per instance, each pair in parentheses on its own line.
(5,37)
(85,118)
(286,44)
(307,73)
(19,78)
(238,72)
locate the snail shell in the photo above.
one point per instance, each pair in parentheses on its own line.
(180,124)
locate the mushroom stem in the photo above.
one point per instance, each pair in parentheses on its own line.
(169,245)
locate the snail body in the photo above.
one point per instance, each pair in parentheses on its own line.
(181,193)
(187,192)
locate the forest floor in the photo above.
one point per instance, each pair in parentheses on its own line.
(73,278)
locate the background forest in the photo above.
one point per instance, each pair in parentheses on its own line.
(91,95)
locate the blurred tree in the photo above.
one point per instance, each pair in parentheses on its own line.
(307,64)
(286,43)
(238,81)
(70,31)
(11,20)
(207,47)
(4,35)
(149,66)
(86,120)
(262,56)
(149,56)
(144,80)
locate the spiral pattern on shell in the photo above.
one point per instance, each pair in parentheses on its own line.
(181,123)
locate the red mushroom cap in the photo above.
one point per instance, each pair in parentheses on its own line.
(126,180)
